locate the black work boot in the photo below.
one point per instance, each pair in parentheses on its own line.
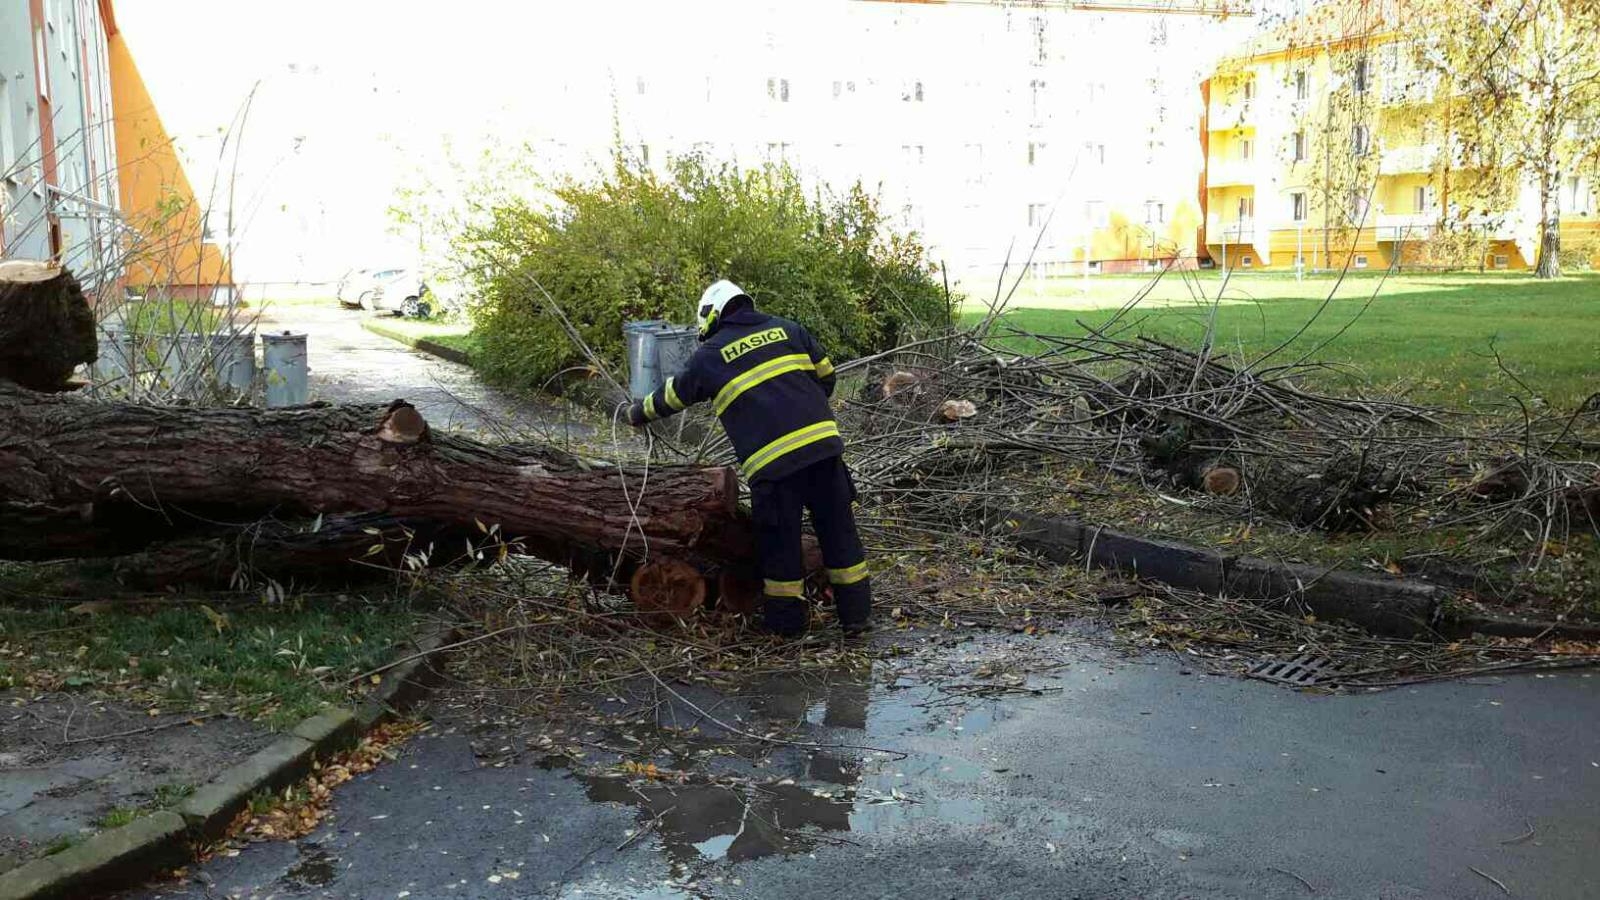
(854,604)
(785,616)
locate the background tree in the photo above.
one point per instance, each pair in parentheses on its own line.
(1521,82)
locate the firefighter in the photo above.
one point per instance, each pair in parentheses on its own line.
(769,383)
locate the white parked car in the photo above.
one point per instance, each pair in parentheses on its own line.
(396,290)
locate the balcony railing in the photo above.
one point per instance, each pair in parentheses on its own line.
(1230,172)
(1409,227)
(1235,229)
(1408,160)
(1232,114)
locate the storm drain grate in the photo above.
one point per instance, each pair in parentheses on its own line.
(1301,670)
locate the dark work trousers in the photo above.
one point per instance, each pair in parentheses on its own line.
(824,488)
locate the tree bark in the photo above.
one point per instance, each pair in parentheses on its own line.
(71,468)
(337,551)
(46,325)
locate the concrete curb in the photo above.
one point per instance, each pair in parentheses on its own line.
(1385,605)
(125,856)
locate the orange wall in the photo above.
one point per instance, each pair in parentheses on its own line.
(156,196)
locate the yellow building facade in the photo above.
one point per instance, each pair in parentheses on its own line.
(1324,150)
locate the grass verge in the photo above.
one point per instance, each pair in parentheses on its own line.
(276,665)
(1433,338)
(456,336)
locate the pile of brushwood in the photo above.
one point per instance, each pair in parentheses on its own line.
(949,424)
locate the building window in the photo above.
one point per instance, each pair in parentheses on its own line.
(1155,212)
(1035,153)
(912,153)
(1249,91)
(1247,261)
(1299,146)
(1574,198)
(1302,85)
(911,91)
(1359,76)
(778,89)
(1360,140)
(9,169)
(1361,260)
(1036,93)
(644,154)
(1095,154)
(1036,215)
(1358,205)
(1247,208)
(1094,267)
(1246,149)
(1297,203)
(1502,261)
(1422,198)
(638,85)
(777,151)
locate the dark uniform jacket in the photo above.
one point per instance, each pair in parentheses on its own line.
(769,382)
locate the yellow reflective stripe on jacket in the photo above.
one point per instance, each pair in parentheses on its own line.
(650,407)
(849,575)
(672,396)
(825,368)
(772,368)
(783,588)
(790,442)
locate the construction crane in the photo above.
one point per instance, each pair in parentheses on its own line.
(1214,8)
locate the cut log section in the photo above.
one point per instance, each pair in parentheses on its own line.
(668,586)
(46,325)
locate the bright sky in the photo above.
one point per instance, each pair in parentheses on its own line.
(348,100)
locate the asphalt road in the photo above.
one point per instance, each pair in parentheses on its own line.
(1107,777)
(352,365)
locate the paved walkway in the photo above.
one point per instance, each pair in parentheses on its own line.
(1118,779)
(350,364)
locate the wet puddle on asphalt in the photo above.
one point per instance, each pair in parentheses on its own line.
(824,796)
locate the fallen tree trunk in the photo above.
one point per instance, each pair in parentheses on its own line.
(46,325)
(75,466)
(337,551)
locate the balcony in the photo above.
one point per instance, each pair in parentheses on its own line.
(1231,116)
(1230,173)
(1232,229)
(1411,160)
(1408,227)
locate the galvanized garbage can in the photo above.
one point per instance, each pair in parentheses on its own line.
(182,358)
(674,345)
(640,340)
(115,361)
(234,356)
(283,357)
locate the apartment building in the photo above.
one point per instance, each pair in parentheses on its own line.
(58,172)
(87,174)
(1321,151)
(1060,136)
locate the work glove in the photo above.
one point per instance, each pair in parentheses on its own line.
(636,414)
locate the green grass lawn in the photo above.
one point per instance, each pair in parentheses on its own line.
(276,664)
(1431,337)
(455,334)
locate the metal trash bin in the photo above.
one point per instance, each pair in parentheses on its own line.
(182,360)
(674,345)
(115,360)
(234,356)
(288,376)
(640,340)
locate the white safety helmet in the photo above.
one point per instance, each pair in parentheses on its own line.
(712,302)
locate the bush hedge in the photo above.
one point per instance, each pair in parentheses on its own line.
(635,244)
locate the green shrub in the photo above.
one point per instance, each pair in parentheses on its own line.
(637,245)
